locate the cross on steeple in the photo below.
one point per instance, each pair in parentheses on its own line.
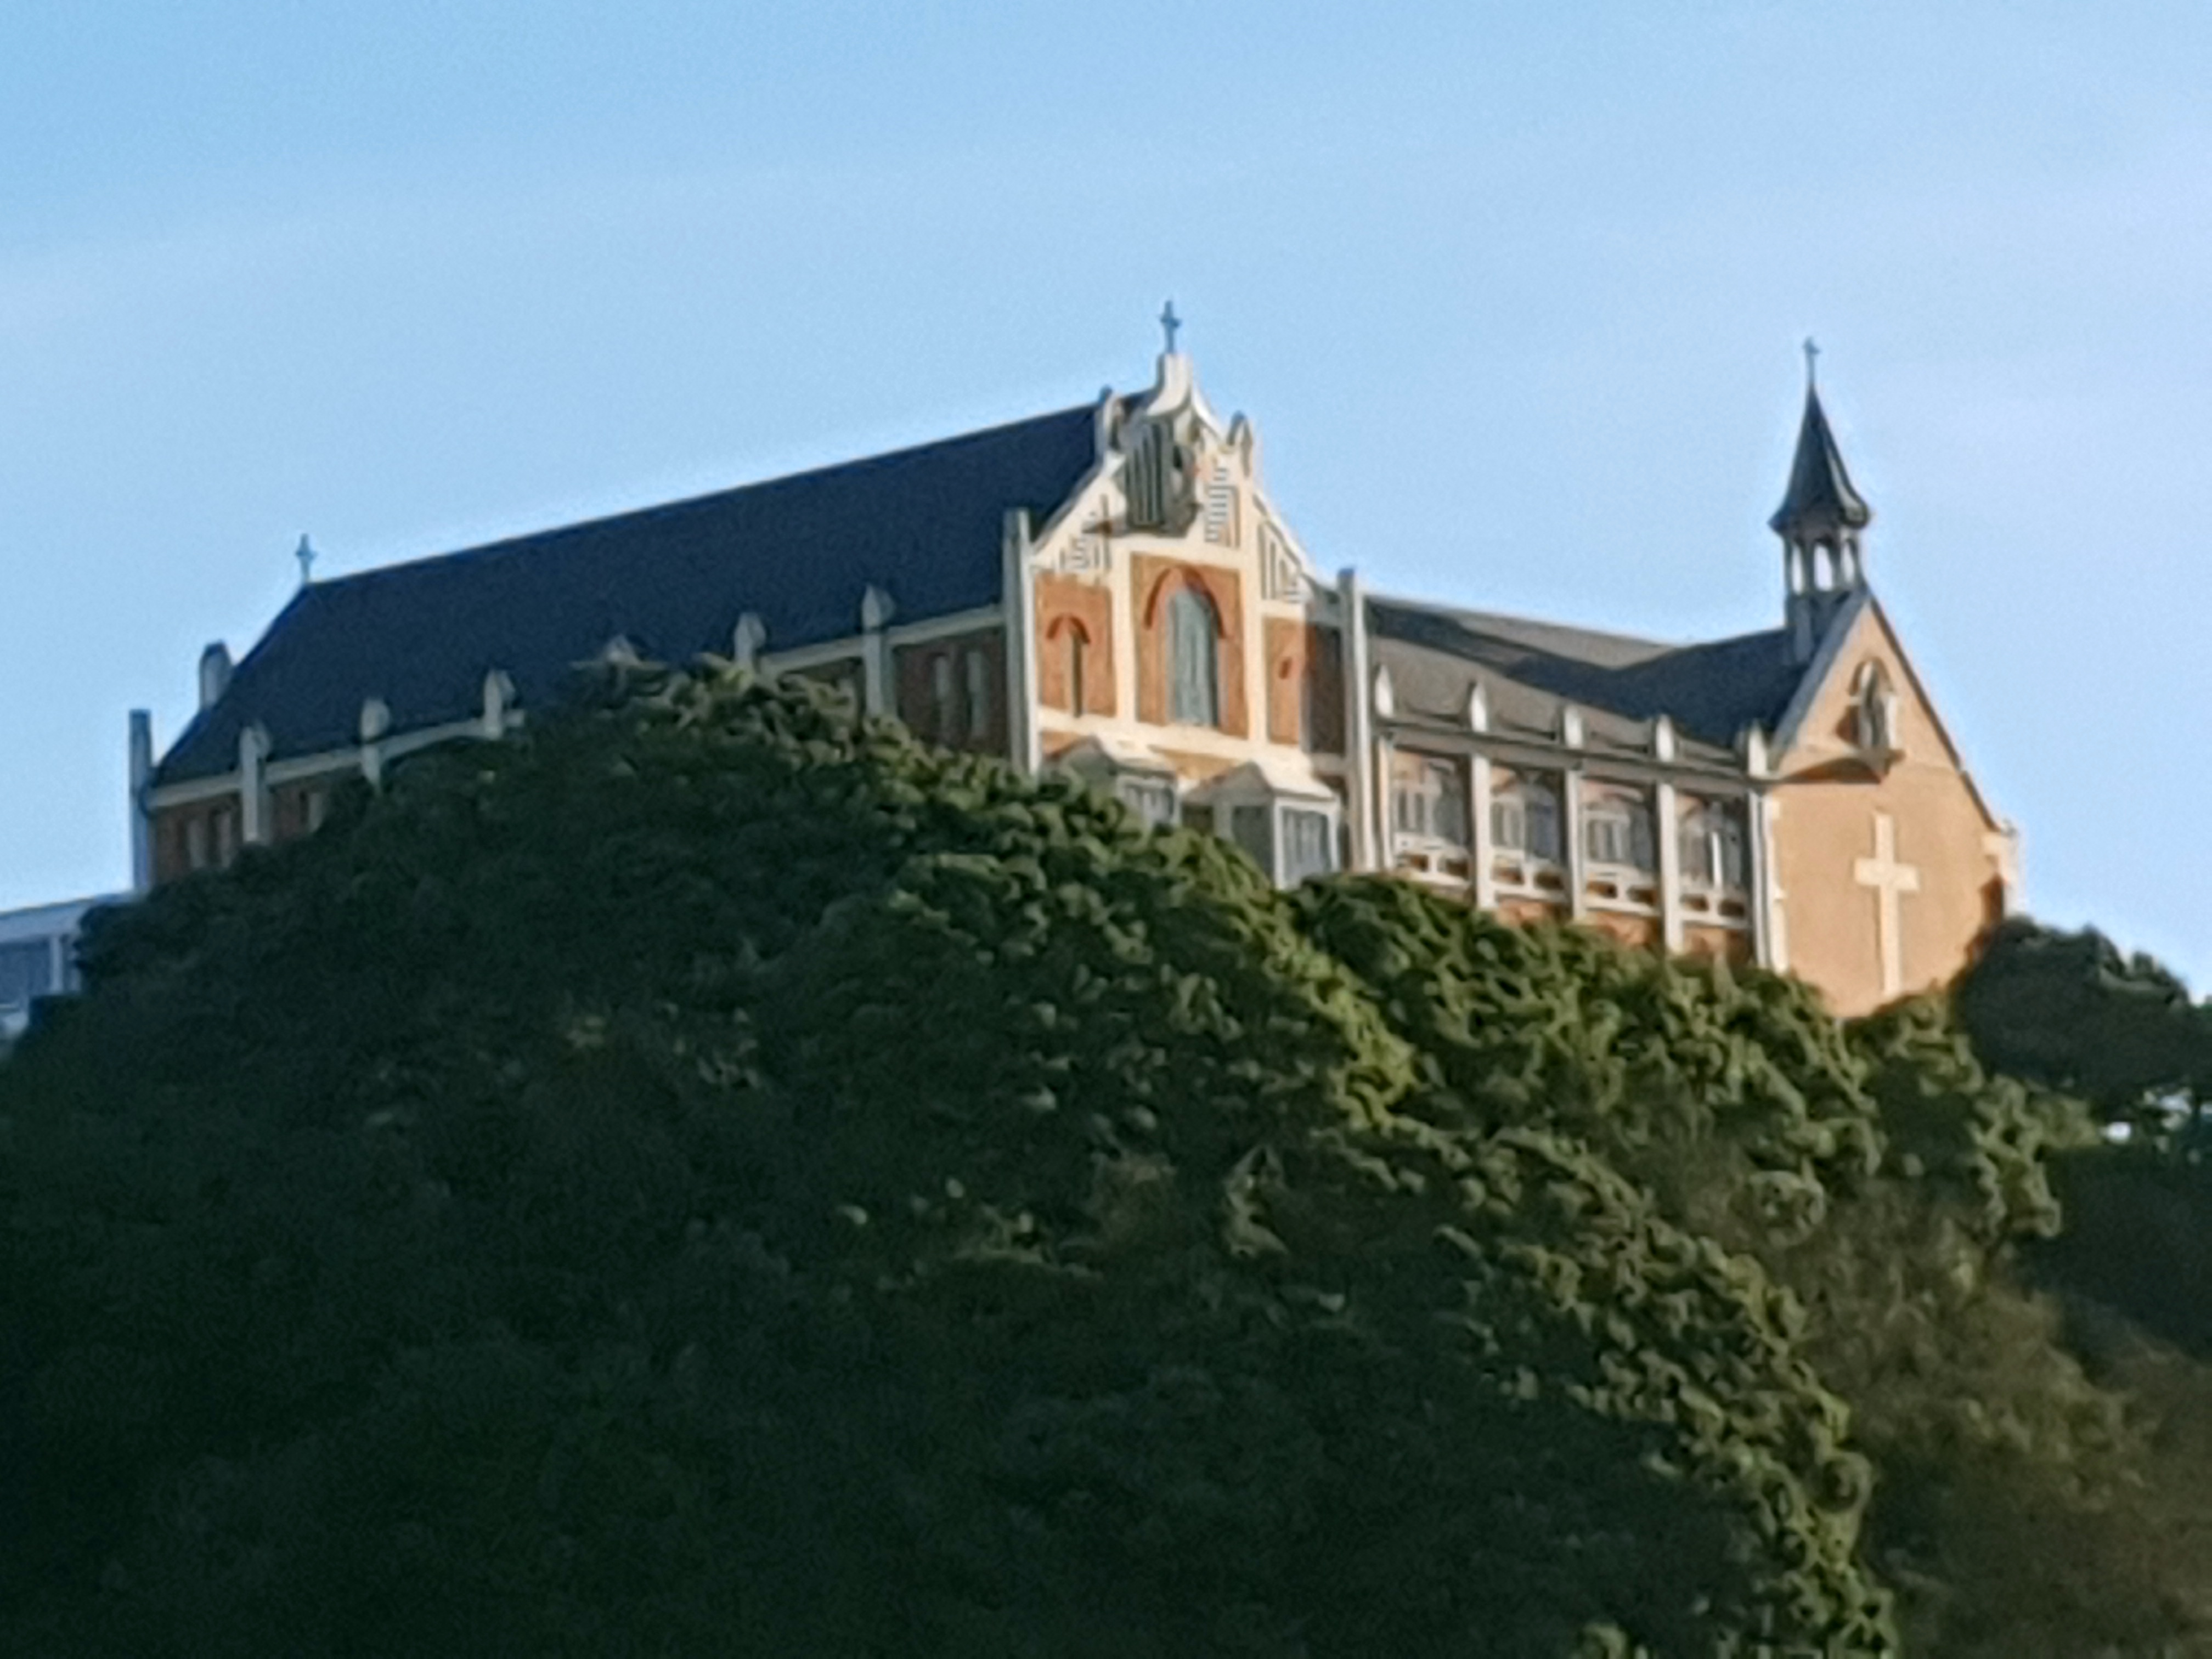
(1168,324)
(1812,351)
(304,553)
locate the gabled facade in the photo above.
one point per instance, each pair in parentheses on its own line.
(1111,590)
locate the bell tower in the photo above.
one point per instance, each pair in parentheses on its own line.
(1819,521)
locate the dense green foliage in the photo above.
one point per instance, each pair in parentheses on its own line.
(2071,1012)
(710,1177)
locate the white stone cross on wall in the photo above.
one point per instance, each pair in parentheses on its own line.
(1891,882)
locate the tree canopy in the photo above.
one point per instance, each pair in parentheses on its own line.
(711,1175)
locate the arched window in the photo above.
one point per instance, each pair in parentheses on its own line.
(1874,710)
(1072,642)
(1193,659)
(1525,817)
(1617,827)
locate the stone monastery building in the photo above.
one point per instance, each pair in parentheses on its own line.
(1109,589)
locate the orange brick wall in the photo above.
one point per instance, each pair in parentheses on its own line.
(1286,643)
(1061,601)
(1730,944)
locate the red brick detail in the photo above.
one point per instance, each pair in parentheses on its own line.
(1284,640)
(1731,944)
(1065,605)
(1156,580)
(1529,913)
(1640,932)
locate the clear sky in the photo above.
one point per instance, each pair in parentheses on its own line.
(1513,292)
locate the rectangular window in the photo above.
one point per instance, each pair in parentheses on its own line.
(226,836)
(940,696)
(1711,845)
(1428,798)
(979,694)
(1249,829)
(195,843)
(1525,817)
(26,970)
(1152,800)
(319,808)
(1308,844)
(1509,825)
(1617,829)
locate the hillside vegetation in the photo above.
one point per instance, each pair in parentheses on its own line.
(711,1176)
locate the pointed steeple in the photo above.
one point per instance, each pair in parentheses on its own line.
(1819,501)
(1820,521)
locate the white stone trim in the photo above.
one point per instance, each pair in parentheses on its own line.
(1358,722)
(1024,739)
(1480,852)
(142,816)
(1770,929)
(1572,860)
(254,786)
(976,621)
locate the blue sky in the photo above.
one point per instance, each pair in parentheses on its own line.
(1513,294)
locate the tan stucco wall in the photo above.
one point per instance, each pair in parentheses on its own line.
(1828,806)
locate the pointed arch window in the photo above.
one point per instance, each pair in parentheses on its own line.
(1873,712)
(1193,659)
(1072,642)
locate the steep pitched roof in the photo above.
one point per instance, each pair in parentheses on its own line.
(1820,496)
(1527,670)
(925,523)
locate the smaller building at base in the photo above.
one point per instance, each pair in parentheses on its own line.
(1111,589)
(38,957)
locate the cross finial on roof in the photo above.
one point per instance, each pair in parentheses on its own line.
(1812,351)
(1168,324)
(304,553)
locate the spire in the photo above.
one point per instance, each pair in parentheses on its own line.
(1819,521)
(1820,501)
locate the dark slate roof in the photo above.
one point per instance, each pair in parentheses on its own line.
(1820,496)
(926,525)
(1529,669)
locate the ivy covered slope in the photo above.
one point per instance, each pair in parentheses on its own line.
(708,1176)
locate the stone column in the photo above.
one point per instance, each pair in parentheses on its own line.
(1664,807)
(1358,720)
(252,786)
(1770,935)
(1018,589)
(142,815)
(876,651)
(1482,886)
(1572,805)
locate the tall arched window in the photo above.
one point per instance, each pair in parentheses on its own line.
(1193,659)
(1073,643)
